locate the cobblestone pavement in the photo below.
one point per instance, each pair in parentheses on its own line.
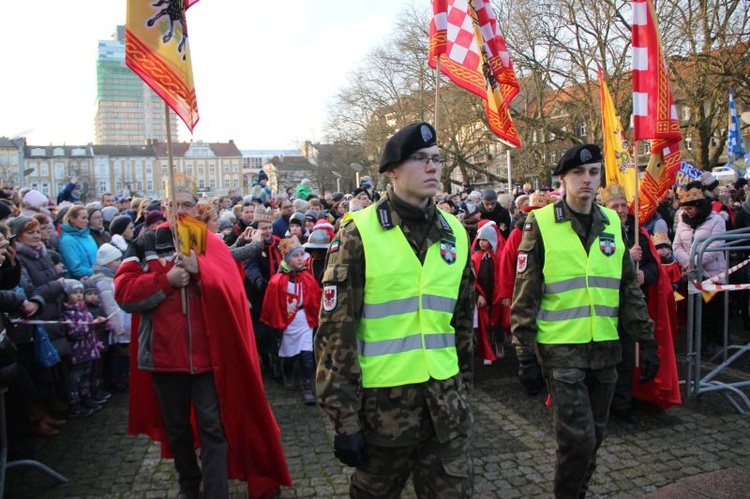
(513,449)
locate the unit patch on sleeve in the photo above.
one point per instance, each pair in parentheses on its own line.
(523,259)
(334,246)
(330,298)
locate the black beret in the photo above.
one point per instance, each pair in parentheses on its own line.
(583,154)
(405,142)
(337,196)
(119,224)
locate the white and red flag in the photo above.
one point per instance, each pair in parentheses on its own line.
(654,112)
(466,37)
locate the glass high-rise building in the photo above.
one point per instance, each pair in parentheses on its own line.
(128,112)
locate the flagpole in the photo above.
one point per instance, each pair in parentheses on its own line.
(172,211)
(637,200)
(437,91)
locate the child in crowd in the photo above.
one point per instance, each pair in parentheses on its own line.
(291,304)
(108,259)
(664,247)
(103,331)
(79,325)
(486,264)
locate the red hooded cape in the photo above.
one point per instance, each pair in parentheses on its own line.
(255,454)
(491,315)
(664,389)
(277,299)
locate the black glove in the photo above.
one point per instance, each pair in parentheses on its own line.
(649,360)
(350,449)
(530,375)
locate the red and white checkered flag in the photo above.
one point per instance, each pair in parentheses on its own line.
(466,36)
(654,112)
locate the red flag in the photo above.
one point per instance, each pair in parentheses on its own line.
(654,112)
(466,36)
(157,50)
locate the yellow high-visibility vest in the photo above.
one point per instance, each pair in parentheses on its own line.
(405,334)
(581,297)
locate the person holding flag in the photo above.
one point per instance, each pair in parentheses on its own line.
(188,356)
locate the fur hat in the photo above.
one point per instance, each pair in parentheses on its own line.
(488,233)
(661,239)
(406,142)
(263,214)
(106,254)
(611,192)
(289,246)
(72,285)
(521,201)
(119,224)
(583,154)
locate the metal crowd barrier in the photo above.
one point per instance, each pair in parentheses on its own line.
(703,376)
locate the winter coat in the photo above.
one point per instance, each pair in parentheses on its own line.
(104,279)
(81,333)
(39,278)
(713,261)
(78,251)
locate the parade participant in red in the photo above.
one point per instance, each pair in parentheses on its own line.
(485,260)
(538,199)
(291,305)
(199,359)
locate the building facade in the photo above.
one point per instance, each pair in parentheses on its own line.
(128,112)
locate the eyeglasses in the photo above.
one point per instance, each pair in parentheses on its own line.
(421,158)
(185,205)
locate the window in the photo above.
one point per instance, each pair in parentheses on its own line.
(226,183)
(581,129)
(533,137)
(201,184)
(164,170)
(646,147)
(60,171)
(150,186)
(212,169)
(212,183)
(226,167)
(45,188)
(235,183)
(689,143)
(685,113)
(235,167)
(102,187)
(189,169)
(43,169)
(200,169)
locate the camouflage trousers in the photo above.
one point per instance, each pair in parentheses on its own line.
(580,405)
(441,470)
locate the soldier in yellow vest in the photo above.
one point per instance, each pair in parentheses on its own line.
(575,283)
(394,345)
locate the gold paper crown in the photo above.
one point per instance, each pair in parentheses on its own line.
(288,244)
(264,214)
(660,239)
(692,195)
(611,192)
(182,183)
(538,199)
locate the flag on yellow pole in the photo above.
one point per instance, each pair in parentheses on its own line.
(157,50)
(619,167)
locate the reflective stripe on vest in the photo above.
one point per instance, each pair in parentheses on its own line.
(405,334)
(581,293)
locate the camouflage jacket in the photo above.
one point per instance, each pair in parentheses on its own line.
(527,297)
(393,416)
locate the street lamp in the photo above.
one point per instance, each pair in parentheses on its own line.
(357,168)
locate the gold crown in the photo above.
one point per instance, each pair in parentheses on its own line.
(691,196)
(659,238)
(538,199)
(288,244)
(611,192)
(264,214)
(182,183)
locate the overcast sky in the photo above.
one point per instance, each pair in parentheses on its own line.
(264,70)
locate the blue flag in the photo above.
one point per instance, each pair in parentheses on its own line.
(735,143)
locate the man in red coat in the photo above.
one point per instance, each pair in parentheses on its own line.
(197,355)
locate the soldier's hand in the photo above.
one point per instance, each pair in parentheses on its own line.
(189,262)
(530,375)
(649,360)
(178,277)
(350,449)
